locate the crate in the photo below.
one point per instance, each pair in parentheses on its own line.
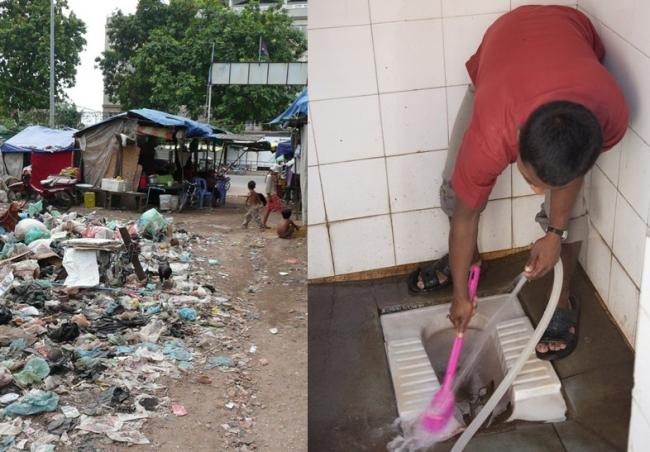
(113,185)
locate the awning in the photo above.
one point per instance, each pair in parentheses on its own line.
(40,139)
(192,128)
(298,109)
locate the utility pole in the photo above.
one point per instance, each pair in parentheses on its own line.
(51,63)
(210,85)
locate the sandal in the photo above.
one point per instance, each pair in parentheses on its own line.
(430,276)
(558,331)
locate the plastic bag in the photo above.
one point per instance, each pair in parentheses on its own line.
(153,223)
(34,208)
(25,225)
(187,314)
(34,402)
(35,234)
(34,371)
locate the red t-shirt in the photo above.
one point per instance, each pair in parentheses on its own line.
(529,57)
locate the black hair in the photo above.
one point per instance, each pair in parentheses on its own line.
(561,141)
(286,214)
(251,185)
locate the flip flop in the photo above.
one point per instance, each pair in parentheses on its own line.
(558,331)
(430,277)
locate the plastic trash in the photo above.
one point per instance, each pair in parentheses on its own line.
(178,409)
(69,411)
(34,208)
(8,398)
(36,401)
(26,225)
(67,332)
(187,314)
(153,223)
(175,349)
(218,361)
(5,314)
(34,234)
(34,371)
(5,377)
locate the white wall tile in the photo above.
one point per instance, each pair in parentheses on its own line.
(420,235)
(599,262)
(524,228)
(495,226)
(312,155)
(503,186)
(414,121)
(316,209)
(347,129)
(609,162)
(634,181)
(397,10)
(341,63)
(409,55)
(338,13)
(623,301)
(414,180)
(467,7)
(602,199)
(354,189)
(629,239)
(630,68)
(463,35)
(319,255)
(455,95)
(645,280)
(639,436)
(363,244)
(519,185)
(518,3)
(628,18)
(642,361)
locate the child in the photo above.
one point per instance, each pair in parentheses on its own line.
(255,206)
(273,200)
(286,228)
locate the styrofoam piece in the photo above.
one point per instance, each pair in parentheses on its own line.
(536,392)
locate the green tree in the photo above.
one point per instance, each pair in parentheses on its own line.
(159,57)
(25,50)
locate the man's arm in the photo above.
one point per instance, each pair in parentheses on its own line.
(462,242)
(546,251)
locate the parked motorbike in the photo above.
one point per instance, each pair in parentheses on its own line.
(57,191)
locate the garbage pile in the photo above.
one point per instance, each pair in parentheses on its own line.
(93,313)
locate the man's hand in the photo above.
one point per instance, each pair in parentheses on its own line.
(543,256)
(461,312)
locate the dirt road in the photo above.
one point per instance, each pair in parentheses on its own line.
(262,405)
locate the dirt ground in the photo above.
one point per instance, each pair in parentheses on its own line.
(270,397)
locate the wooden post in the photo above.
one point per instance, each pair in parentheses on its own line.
(134,256)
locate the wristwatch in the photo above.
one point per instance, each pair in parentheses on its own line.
(563,233)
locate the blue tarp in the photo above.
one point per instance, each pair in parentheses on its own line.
(40,139)
(296,110)
(283,148)
(192,128)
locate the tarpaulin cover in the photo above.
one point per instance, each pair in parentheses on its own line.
(46,164)
(296,110)
(40,139)
(192,128)
(284,148)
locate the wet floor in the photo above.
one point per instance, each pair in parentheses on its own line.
(351,401)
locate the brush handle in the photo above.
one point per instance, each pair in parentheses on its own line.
(450,373)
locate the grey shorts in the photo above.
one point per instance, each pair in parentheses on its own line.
(578,223)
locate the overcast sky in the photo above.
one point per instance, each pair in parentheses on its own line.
(88,91)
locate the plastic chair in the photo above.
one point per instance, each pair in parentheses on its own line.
(202,191)
(219,191)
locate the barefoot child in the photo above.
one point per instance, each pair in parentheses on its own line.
(286,227)
(255,206)
(273,200)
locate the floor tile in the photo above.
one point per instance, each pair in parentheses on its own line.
(578,438)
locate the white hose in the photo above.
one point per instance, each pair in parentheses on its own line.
(473,427)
